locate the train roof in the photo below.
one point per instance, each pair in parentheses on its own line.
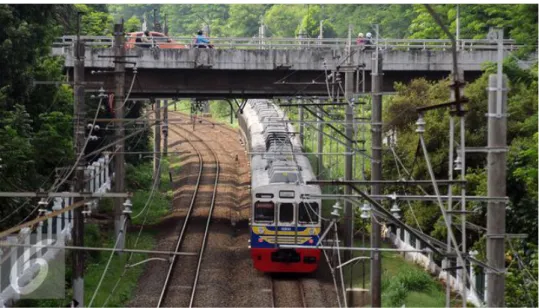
(282,160)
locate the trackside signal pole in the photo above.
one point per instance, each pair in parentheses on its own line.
(119,168)
(79,131)
(376,172)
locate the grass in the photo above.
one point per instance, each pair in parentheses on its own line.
(403,283)
(140,180)
(126,287)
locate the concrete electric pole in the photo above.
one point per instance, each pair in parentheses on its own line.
(119,165)
(165,125)
(376,172)
(79,132)
(496,187)
(157,142)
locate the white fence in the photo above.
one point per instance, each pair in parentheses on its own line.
(475,293)
(54,231)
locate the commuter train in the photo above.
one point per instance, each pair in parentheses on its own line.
(280,213)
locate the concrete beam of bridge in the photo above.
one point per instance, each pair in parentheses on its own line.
(216,73)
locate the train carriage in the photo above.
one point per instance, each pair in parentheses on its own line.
(280,214)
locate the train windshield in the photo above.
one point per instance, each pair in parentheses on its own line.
(308,213)
(286,212)
(264,211)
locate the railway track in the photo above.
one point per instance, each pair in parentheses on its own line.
(184,235)
(287,293)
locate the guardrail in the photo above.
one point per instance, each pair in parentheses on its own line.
(15,260)
(293,43)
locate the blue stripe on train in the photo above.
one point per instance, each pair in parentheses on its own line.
(256,244)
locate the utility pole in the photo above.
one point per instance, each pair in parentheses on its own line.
(157,142)
(119,165)
(320,144)
(165,132)
(496,182)
(79,132)
(376,172)
(301,117)
(348,159)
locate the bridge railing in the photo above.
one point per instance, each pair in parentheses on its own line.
(292,43)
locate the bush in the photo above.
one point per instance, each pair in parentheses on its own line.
(415,280)
(397,288)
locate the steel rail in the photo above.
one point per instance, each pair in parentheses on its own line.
(302,293)
(272,290)
(300,289)
(184,227)
(206,231)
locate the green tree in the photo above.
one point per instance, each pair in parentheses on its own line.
(310,24)
(282,20)
(94,22)
(245,19)
(133,24)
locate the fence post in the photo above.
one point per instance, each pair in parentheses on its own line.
(39,238)
(14,260)
(49,227)
(56,207)
(107,163)
(96,176)
(101,171)
(25,232)
(91,171)
(407,237)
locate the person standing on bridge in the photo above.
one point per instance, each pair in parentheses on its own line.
(368,41)
(146,40)
(201,41)
(360,40)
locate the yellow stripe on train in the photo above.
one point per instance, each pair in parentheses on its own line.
(259,230)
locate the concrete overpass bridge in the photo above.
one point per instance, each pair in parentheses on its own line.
(244,68)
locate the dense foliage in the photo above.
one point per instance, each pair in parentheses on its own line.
(521,162)
(285,20)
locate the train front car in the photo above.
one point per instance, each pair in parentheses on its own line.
(281,215)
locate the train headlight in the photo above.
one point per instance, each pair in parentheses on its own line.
(311,231)
(261,230)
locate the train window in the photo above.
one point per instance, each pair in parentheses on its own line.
(286,212)
(308,212)
(264,211)
(264,196)
(288,194)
